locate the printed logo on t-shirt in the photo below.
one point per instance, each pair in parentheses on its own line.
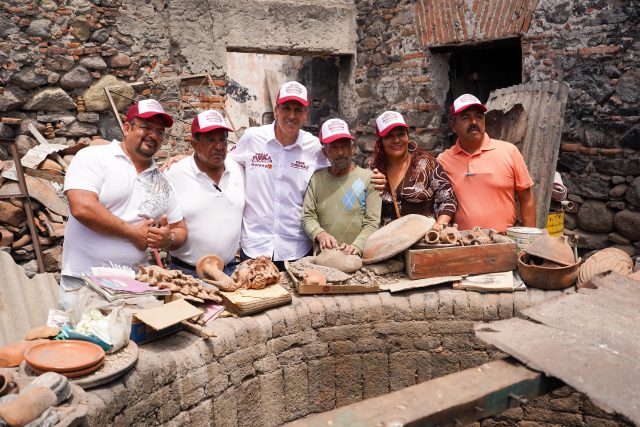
(262,160)
(299,164)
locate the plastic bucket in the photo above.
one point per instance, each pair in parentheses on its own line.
(523,236)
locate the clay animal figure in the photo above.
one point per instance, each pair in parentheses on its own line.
(176,281)
(314,277)
(337,259)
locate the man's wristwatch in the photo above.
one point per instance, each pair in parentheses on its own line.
(171,239)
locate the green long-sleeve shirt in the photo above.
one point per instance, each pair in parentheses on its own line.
(347,207)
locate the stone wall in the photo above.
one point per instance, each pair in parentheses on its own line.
(320,353)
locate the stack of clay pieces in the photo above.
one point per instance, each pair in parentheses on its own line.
(177,281)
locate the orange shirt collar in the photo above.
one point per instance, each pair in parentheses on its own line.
(487,144)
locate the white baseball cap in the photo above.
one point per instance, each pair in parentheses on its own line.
(293,91)
(334,129)
(207,121)
(389,120)
(463,102)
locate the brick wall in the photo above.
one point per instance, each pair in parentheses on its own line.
(320,353)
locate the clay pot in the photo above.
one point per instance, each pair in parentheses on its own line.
(7,385)
(337,259)
(606,260)
(395,237)
(450,234)
(432,237)
(314,277)
(13,354)
(556,249)
(548,275)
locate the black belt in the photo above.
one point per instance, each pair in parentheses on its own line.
(180,263)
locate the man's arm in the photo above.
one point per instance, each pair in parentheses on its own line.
(527,207)
(87,209)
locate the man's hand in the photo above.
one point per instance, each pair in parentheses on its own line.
(438,227)
(171,160)
(140,233)
(326,241)
(160,237)
(378,180)
(349,249)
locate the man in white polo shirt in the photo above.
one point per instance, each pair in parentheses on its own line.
(210,192)
(120,202)
(279,160)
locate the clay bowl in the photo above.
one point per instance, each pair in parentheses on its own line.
(549,275)
(64,356)
(555,249)
(206,262)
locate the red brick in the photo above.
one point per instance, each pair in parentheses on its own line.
(55,50)
(414,55)
(573,148)
(73,45)
(589,151)
(611,152)
(599,50)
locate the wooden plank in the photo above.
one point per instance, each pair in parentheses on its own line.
(460,260)
(404,285)
(590,340)
(456,399)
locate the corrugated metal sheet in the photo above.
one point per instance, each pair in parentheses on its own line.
(24,302)
(442,22)
(533,120)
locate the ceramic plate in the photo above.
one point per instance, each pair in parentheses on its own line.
(64,356)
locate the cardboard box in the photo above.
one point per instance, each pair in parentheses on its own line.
(460,260)
(157,322)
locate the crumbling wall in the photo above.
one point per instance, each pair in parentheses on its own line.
(591,45)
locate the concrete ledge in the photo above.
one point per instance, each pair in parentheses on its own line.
(317,354)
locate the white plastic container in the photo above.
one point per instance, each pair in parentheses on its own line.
(523,235)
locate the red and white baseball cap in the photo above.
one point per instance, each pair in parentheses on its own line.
(463,102)
(293,91)
(148,108)
(389,120)
(207,121)
(334,129)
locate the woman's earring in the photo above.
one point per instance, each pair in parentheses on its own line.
(414,147)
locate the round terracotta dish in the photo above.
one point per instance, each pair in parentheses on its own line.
(72,374)
(64,356)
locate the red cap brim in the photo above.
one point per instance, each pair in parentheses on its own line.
(390,128)
(292,98)
(168,120)
(332,138)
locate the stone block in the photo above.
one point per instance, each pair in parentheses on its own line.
(360,308)
(595,216)
(627,224)
(452,327)
(592,241)
(11,214)
(505,305)
(402,307)
(271,402)
(322,387)
(316,311)
(345,316)
(331,311)
(445,304)
(267,364)
(217,380)
(368,344)
(548,416)
(461,304)
(348,372)
(337,348)
(227,414)
(75,78)
(291,323)
(375,308)
(50,100)
(247,394)
(52,259)
(402,369)
(278,326)
(457,342)
(387,306)
(416,304)
(375,374)
(315,350)
(95,98)
(490,306)
(296,386)
(293,356)
(566,404)
(280,344)
(303,313)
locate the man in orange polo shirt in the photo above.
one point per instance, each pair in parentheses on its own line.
(486,174)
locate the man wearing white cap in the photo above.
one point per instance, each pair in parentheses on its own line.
(341,206)
(116,197)
(486,173)
(279,160)
(210,191)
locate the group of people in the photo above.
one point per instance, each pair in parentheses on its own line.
(280,191)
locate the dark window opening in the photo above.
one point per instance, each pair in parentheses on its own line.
(481,68)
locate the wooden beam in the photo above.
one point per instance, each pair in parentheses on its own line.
(457,399)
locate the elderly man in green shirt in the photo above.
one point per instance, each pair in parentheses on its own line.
(341,207)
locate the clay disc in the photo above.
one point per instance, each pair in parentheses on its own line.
(73,374)
(206,261)
(395,237)
(64,356)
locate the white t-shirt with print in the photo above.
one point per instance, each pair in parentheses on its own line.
(107,171)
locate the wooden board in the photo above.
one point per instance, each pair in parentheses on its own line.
(404,285)
(249,301)
(329,288)
(460,260)
(590,340)
(455,399)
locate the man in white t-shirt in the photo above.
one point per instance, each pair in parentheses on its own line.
(210,191)
(279,160)
(120,202)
